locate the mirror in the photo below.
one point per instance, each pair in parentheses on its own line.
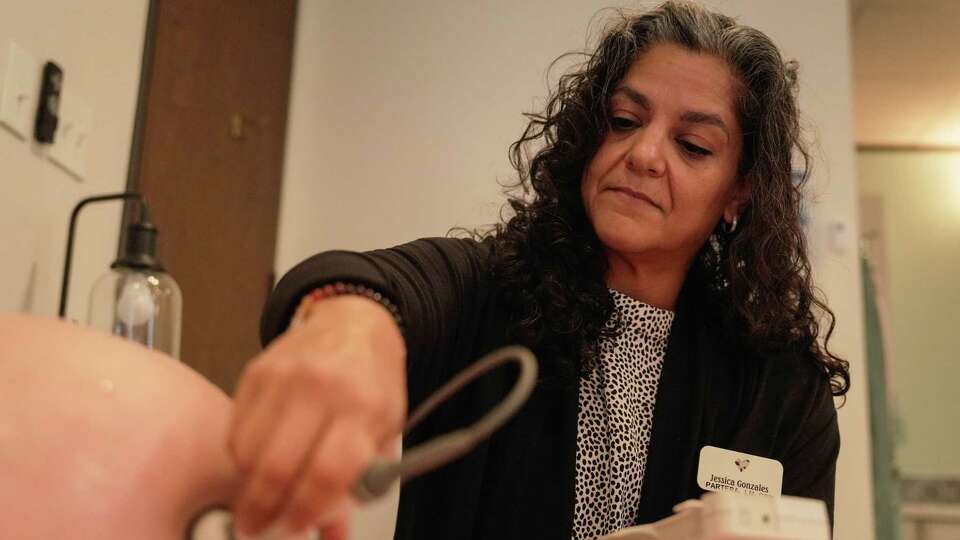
(908,137)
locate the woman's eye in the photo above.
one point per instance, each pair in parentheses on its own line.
(622,123)
(691,148)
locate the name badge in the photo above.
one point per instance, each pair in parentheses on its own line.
(726,470)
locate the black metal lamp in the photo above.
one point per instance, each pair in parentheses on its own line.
(136,299)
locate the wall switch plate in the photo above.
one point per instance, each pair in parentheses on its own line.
(21,86)
(69,149)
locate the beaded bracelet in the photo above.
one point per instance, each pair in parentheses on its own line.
(339,289)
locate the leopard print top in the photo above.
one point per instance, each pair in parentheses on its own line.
(615,417)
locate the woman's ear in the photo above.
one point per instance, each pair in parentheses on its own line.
(739,198)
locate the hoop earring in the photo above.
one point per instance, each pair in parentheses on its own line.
(731,228)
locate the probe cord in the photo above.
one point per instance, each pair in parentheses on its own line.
(381,474)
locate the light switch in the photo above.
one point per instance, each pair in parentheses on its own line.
(21,86)
(839,236)
(69,148)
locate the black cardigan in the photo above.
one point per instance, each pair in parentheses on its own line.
(520,484)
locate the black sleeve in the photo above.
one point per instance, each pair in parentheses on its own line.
(438,284)
(810,464)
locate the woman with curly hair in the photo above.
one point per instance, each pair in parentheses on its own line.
(655,261)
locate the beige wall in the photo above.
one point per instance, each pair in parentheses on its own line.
(98,44)
(401,114)
(920,196)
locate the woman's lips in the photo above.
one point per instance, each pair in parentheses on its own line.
(635,195)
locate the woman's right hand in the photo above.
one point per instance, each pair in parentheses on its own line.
(312,411)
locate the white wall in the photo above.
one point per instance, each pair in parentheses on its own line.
(401,114)
(99,45)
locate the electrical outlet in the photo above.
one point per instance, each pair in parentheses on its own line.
(69,148)
(21,85)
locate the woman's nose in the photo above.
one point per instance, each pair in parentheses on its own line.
(645,156)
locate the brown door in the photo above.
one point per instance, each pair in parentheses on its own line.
(211,165)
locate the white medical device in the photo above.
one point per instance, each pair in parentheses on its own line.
(735,516)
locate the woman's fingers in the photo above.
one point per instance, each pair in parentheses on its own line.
(284,457)
(259,419)
(323,488)
(248,391)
